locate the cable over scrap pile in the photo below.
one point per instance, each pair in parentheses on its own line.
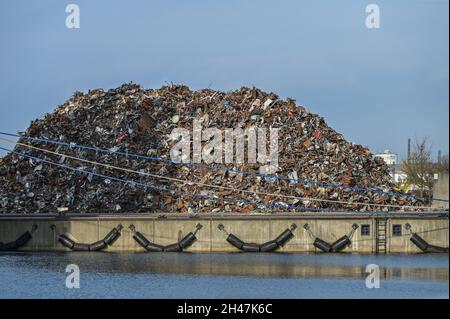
(110,152)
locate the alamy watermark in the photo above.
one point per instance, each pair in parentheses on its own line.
(373,17)
(373,279)
(73,279)
(226,146)
(73,19)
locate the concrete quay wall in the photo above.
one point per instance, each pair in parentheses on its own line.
(250,228)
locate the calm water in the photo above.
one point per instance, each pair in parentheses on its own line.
(240,275)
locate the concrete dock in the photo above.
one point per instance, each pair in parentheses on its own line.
(170,228)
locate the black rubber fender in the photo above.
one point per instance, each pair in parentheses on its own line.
(419,242)
(109,239)
(23,239)
(140,239)
(173,248)
(80,247)
(98,245)
(423,245)
(269,246)
(436,249)
(284,237)
(340,244)
(187,240)
(66,241)
(19,242)
(154,247)
(112,236)
(322,245)
(250,247)
(235,241)
(9,246)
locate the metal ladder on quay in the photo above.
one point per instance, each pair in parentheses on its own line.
(381,235)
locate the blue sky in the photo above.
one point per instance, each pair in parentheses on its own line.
(376,86)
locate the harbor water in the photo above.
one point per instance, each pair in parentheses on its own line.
(226,275)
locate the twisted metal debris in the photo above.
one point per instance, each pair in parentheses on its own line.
(130,119)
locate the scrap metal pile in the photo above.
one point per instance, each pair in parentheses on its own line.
(133,120)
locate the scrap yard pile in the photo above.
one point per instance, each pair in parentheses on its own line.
(317,168)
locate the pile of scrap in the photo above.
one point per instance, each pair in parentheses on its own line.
(129,119)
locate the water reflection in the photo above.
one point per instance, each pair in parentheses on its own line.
(418,267)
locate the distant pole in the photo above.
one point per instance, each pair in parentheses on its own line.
(439,157)
(393,172)
(409,150)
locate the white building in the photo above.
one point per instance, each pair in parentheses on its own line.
(395,168)
(388,157)
(397,174)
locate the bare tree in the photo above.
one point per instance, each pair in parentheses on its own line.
(442,164)
(420,168)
